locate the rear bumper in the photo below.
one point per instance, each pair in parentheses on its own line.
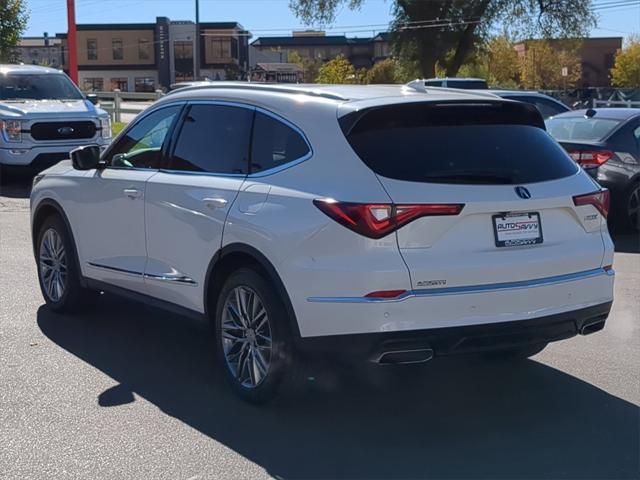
(455,306)
(461,340)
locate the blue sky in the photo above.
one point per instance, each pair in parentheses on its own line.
(264,17)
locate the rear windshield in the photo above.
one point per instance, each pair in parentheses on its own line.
(581,128)
(459,144)
(51,86)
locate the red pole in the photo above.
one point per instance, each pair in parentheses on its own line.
(72,41)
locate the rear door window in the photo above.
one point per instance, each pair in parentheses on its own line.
(214,139)
(581,128)
(547,108)
(478,144)
(275,144)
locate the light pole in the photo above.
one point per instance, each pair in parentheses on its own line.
(72,41)
(196,45)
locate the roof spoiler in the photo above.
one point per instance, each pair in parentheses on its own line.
(418,85)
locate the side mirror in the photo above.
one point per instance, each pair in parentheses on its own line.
(93,98)
(86,158)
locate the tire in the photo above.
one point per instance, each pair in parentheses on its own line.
(58,270)
(249,312)
(519,353)
(631,220)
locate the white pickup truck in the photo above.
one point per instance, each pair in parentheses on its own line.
(43,116)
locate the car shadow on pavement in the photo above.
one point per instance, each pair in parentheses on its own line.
(626,242)
(15,185)
(451,418)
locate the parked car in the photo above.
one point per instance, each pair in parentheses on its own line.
(606,143)
(548,106)
(464,83)
(377,222)
(43,116)
(194,83)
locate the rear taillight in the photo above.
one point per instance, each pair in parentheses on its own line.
(599,199)
(376,220)
(590,158)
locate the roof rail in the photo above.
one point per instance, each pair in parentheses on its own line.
(261,87)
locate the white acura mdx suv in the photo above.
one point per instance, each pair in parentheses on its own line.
(390,223)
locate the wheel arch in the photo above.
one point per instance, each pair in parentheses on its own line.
(237,255)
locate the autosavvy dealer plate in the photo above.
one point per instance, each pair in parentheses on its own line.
(517,229)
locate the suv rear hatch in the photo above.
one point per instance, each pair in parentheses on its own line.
(519,221)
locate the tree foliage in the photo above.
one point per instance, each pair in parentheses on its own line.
(310,68)
(543,62)
(338,70)
(626,71)
(382,72)
(13,21)
(445,32)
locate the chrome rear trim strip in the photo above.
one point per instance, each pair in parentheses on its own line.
(492,287)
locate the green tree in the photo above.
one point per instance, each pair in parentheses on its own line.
(310,68)
(501,60)
(13,21)
(425,31)
(626,71)
(338,70)
(383,71)
(543,63)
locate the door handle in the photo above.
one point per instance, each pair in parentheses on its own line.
(214,203)
(132,192)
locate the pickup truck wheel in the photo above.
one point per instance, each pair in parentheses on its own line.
(58,271)
(252,337)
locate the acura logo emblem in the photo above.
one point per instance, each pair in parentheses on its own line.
(65,130)
(523,193)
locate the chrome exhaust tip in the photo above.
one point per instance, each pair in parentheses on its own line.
(404,357)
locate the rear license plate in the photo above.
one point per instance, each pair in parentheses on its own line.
(517,229)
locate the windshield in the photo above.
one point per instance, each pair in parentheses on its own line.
(580,128)
(38,87)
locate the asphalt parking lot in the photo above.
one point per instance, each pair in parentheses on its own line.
(127,391)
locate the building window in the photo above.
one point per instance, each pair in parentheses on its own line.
(183,63)
(144,49)
(220,48)
(118,50)
(121,84)
(93,84)
(145,84)
(92,49)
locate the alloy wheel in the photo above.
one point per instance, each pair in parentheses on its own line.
(246,336)
(53,265)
